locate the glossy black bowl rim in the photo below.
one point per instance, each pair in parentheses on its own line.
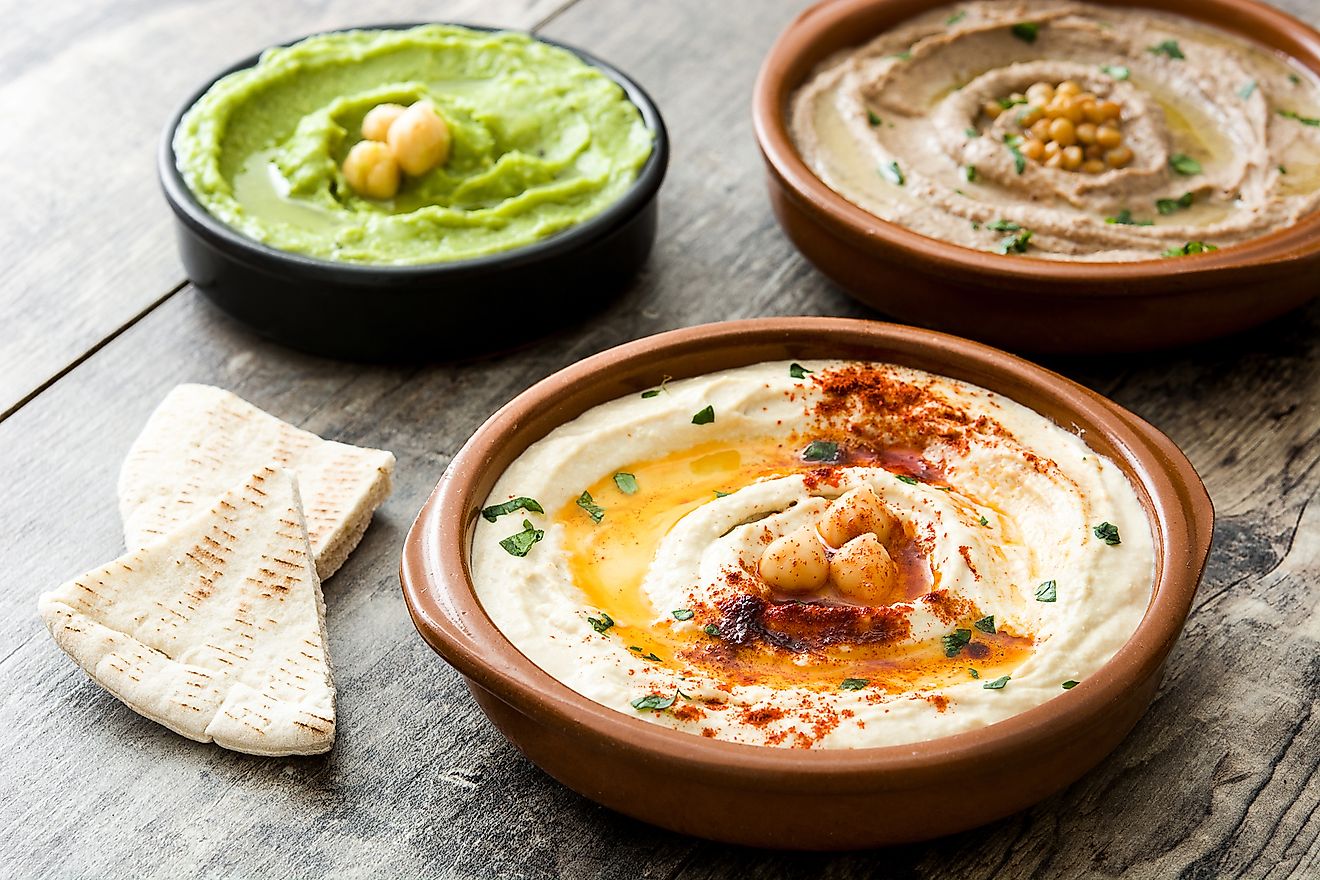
(258,254)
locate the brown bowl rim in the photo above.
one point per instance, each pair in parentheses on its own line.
(440,597)
(1262,24)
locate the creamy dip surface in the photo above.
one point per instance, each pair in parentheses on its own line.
(622,554)
(1224,134)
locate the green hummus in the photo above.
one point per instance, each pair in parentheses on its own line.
(541,142)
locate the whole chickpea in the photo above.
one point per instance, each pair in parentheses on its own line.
(1063,132)
(1040,93)
(1071,158)
(863,570)
(856,512)
(376,124)
(419,138)
(796,562)
(371,170)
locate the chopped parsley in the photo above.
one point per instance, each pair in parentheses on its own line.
(1184,164)
(1009,102)
(705,416)
(1283,170)
(1107,532)
(905,55)
(1003,226)
(821,450)
(1192,247)
(683,614)
(997,684)
(955,641)
(655,392)
(627,483)
(719,494)
(853,684)
(971,133)
(594,510)
(648,656)
(986,624)
(1294,78)
(797,371)
(871,117)
(984,521)
(495,511)
(973,672)
(1304,120)
(1172,206)
(655,702)
(1168,48)
(1014,244)
(1026,31)
(1117,71)
(969,173)
(1014,143)
(519,544)
(1125,218)
(602,623)
(893,174)
(1247,90)
(904,478)
(956,17)
(711,629)
(1070,684)
(1047,592)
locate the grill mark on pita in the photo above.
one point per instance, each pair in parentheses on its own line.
(312,727)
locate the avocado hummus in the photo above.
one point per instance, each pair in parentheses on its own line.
(541,141)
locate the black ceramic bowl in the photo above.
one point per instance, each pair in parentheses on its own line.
(427,311)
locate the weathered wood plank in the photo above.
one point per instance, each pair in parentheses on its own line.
(1219,779)
(85,90)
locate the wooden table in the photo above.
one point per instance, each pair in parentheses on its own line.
(1218,780)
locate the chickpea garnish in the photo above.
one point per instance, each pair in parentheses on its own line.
(371,169)
(1067,128)
(396,139)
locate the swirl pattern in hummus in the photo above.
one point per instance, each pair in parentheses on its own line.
(911,99)
(644,593)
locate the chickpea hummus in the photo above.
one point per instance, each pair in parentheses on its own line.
(534,141)
(1066,131)
(820,555)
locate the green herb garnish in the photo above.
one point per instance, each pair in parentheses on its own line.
(1246,91)
(648,656)
(1003,226)
(969,173)
(495,511)
(986,624)
(711,629)
(821,450)
(1172,206)
(1014,142)
(594,510)
(1304,120)
(1125,218)
(904,478)
(683,614)
(1009,102)
(853,684)
(1026,31)
(655,392)
(627,483)
(1047,592)
(719,494)
(997,684)
(872,118)
(1070,684)
(1117,71)
(797,371)
(984,521)
(973,672)
(905,55)
(971,133)
(1107,532)
(893,174)
(705,416)
(655,702)
(1169,48)
(955,641)
(1192,247)
(1014,244)
(519,544)
(956,17)
(602,623)
(1184,164)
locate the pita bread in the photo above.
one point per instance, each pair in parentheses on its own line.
(217,632)
(201,440)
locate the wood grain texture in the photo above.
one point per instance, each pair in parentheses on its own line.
(1218,780)
(86,90)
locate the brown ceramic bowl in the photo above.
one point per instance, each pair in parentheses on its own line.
(762,796)
(1014,301)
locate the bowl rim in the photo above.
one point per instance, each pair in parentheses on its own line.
(773,89)
(640,192)
(442,602)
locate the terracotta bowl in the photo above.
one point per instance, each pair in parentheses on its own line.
(763,796)
(1014,301)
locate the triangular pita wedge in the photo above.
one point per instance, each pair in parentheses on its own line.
(201,440)
(216,632)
